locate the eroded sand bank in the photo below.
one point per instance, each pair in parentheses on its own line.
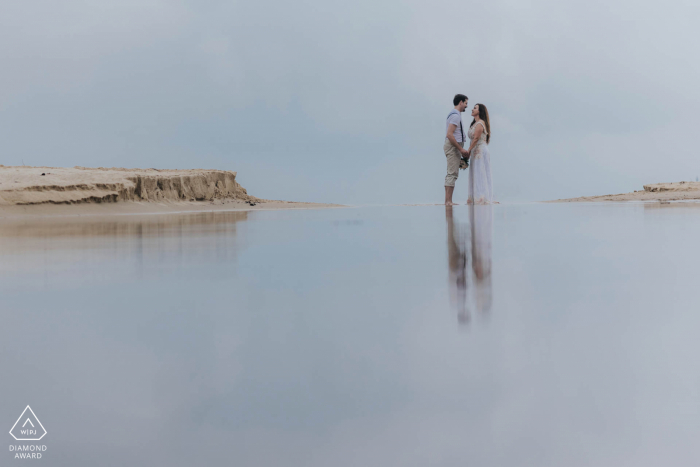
(81,190)
(655,192)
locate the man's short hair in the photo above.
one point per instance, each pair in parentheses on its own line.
(459,98)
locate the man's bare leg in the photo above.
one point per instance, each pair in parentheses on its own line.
(448,195)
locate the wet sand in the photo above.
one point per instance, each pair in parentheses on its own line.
(127,208)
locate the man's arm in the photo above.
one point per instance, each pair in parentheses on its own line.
(451,136)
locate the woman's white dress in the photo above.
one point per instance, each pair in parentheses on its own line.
(480,190)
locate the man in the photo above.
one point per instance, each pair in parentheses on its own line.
(454,145)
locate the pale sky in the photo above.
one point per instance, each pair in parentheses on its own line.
(346,101)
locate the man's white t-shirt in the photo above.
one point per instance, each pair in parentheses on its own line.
(455,118)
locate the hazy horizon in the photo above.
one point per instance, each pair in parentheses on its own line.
(336,102)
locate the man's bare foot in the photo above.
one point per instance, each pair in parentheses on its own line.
(450,203)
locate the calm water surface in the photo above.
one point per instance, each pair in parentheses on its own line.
(529,335)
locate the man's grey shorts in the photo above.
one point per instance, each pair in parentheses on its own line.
(453,158)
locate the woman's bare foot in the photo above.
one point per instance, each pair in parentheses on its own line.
(450,203)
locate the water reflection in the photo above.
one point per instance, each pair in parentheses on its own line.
(665,205)
(470,289)
(154,225)
(481,220)
(53,242)
(457,265)
(317,345)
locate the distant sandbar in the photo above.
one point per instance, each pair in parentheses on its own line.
(80,190)
(655,192)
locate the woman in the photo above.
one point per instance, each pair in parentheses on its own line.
(480,191)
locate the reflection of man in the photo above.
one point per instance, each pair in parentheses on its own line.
(481,220)
(454,145)
(457,266)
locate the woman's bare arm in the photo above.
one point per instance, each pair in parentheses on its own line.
(477,134)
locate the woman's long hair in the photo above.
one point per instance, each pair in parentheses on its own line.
(484,115)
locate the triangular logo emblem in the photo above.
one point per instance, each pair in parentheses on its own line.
(28,427)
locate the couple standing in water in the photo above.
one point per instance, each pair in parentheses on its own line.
(479,134)
(469,287)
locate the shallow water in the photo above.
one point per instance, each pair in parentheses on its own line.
(543,334)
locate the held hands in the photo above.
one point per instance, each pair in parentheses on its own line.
(464,162)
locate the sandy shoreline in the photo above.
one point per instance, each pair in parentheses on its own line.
(54,191)
(136,208)
(676,191)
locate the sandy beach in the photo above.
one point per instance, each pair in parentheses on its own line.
(676,191)
(45,191)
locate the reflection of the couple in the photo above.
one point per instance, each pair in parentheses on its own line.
(467,286)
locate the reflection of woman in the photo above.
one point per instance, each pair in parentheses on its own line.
(480,191)
(481,220)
